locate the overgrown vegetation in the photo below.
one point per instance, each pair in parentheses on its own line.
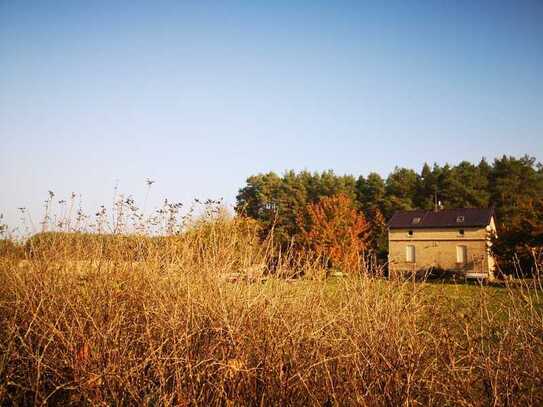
(118,327)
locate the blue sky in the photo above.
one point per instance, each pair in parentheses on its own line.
(200,95)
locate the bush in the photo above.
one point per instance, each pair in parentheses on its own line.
(11,249)
(141,335)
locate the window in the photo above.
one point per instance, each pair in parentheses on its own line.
(461,232)
(459,219)
(270,206)
(461,254)
(410,233)
(410,254)
(415,221)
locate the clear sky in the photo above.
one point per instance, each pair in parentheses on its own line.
(200,95)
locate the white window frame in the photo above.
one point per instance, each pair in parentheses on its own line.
(461,254)
(410,253)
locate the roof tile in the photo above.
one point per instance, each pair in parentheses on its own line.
(458,217)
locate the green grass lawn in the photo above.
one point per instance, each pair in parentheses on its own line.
(464,298)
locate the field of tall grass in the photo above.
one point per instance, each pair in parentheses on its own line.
(134,319)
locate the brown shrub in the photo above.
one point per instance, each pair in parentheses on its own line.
(167,330)
(131,320)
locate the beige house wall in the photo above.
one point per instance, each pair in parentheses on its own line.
(438,248)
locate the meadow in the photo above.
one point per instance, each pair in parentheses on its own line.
(90,319)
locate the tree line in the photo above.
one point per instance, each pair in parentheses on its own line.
(513,186)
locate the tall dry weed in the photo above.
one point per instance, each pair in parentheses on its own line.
(143,320)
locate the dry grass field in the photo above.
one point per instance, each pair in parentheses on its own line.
(147,323)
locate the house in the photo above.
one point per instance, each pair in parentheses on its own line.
(456,240)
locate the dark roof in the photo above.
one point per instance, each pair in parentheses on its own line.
(445,218)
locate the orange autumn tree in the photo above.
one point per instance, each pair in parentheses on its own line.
(335,230)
